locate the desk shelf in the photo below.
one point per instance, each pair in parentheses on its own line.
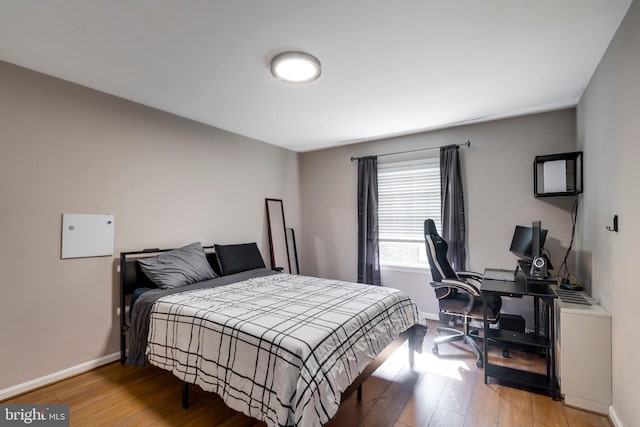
(520,338)
(519,377)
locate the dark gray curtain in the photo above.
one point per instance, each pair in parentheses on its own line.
(368,258)
(453,228)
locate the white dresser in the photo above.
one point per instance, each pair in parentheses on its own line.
(583,350)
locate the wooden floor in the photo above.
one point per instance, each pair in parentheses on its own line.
(447,391)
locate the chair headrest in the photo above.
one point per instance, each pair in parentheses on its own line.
(430,228)
(437,254)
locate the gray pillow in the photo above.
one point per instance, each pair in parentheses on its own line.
(178,267)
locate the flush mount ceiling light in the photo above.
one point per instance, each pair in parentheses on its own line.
(295,67)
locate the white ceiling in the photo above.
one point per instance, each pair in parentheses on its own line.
(388,67)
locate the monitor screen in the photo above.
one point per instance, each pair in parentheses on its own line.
(522,242)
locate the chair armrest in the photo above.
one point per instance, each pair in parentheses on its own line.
(457,284)
(470,274)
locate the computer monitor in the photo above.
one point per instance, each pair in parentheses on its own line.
(523,243)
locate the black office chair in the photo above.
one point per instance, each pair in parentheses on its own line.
(458,294)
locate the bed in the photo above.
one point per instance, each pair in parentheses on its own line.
(281,348)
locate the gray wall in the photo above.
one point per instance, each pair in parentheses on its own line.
(499,194)
(608,123)
(168,181)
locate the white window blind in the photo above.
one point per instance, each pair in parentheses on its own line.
(408,193)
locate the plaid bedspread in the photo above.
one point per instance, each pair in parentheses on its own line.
(279,348)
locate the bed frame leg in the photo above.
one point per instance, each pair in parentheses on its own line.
(416,335)
(185,395)
(123,356)
(359,393)
(412,346)
(123,345)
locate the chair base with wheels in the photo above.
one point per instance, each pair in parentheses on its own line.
(456,307)
(457,335)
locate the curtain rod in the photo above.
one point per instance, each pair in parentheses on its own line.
(465,144)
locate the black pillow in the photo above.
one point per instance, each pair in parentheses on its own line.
(239,258)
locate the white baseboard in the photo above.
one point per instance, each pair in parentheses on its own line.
(57,376)
(614,417)
(589,405)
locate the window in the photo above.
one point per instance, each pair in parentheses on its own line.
(408,193)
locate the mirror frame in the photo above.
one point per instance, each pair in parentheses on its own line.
(293,251)
(278,242)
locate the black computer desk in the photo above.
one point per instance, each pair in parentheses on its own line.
(540,290)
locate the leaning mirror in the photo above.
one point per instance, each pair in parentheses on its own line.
(278,245)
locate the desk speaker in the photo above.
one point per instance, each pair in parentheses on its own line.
(539,267)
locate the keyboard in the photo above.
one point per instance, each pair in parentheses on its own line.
(499,274)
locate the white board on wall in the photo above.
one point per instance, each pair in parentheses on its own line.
(87,235)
